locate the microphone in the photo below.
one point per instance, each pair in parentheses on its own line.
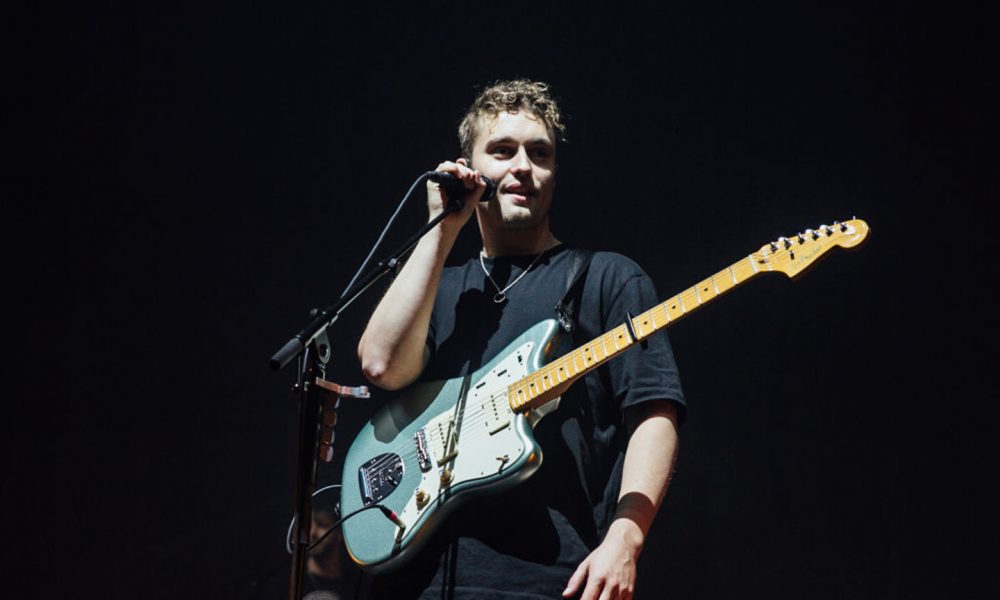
(455,187)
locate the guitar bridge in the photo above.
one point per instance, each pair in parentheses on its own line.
(423,453)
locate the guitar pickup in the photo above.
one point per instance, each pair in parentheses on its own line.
(445,441)
(448,455)
(496,414)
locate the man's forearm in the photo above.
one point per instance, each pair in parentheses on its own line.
(649,461)
(610,570)
(392,347)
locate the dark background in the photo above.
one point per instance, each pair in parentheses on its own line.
(184,183)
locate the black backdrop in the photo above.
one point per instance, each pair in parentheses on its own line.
(183,184)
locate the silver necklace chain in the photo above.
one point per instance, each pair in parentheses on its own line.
(501,296)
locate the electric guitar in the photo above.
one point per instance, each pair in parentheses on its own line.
(443,442)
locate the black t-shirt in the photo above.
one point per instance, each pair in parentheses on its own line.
(528,541)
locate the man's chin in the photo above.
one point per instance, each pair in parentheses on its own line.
(521,219)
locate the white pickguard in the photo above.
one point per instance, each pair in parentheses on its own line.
(488,440)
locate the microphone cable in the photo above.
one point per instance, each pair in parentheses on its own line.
(385,230)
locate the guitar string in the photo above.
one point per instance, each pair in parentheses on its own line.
(474,425)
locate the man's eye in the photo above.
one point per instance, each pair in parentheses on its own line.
(541,153)
(502,151)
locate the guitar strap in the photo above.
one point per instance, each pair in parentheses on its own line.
(576,274)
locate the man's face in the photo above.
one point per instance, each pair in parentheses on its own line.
(518,152)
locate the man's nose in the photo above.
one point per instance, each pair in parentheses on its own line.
(520,163)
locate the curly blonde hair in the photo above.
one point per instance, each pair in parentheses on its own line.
(510,96)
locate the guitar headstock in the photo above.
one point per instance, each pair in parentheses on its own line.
(792,255)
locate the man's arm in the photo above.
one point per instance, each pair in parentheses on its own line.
(610,570)
(392,349)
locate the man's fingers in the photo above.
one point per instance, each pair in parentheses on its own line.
(594,588)
(574,582)
(461,169)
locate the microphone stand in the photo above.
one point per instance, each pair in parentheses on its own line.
(312,347)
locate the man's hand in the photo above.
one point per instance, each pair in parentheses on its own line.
(609,571)
(436,198)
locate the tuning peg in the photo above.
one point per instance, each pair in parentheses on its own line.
(774,247)
(802,240)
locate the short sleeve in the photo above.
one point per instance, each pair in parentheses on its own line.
(647,371)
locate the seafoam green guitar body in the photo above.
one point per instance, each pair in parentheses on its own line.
(437,445)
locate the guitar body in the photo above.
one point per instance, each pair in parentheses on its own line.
(437,445)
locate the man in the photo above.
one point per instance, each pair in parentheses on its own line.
(579,524)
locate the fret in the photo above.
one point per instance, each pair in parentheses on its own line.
(697,295)
(722,283)
(706,289)
(548,377)
(649,321)
(733,273)
(717,292)
(753,265)
(681,302)
(613,334)
(652,317)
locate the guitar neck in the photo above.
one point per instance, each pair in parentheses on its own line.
(552,380)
